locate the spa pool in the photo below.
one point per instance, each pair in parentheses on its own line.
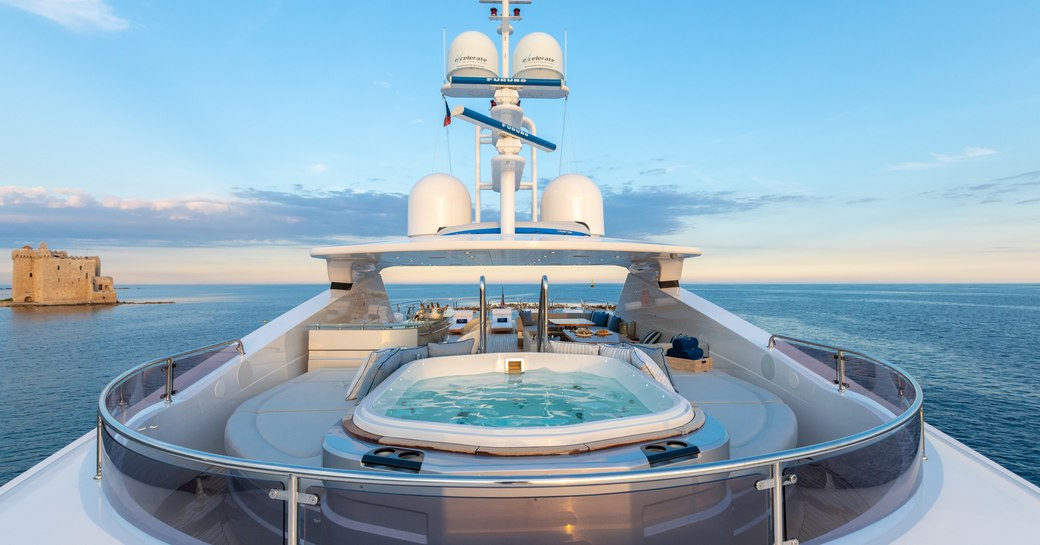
(521,400)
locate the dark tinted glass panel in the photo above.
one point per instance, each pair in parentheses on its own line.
(714,509)
(182,502)
(841,493)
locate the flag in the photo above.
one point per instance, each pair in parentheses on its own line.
(447,114)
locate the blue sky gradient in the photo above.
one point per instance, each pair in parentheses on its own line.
(881,141)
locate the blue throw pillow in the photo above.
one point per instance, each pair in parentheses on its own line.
(600,318)
(614,323)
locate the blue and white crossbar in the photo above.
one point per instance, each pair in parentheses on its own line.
(491,123)
(506,82)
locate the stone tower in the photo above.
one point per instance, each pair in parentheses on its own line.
(44,276)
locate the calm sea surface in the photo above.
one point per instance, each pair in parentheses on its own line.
(974,348)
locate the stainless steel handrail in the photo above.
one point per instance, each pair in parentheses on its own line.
(555,480)
(292,473)
(543,315)
(773,338)
(483,317)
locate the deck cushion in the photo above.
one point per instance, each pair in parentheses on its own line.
(651,337)
(588,349)
(459,348)
(412,354)
(287,423)
(757,420)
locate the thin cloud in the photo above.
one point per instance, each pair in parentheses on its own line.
(660,170)
(863,200)
(1033,175)
(249,216)
(306,216)
(1011,187)
(939,160)
(74,14)
(662,210)
(317,168)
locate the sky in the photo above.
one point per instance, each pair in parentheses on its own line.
(217,142)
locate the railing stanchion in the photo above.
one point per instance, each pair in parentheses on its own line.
(483,317)
(100,447)
(543,315)
(169,380)
(924,455)
(839,368)
(292,512)
(776,475)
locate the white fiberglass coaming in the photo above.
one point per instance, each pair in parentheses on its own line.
(284,437)
(668,410)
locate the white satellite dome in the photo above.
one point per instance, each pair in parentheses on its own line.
(437,201)
(473,54)
(538,55)
(573,197)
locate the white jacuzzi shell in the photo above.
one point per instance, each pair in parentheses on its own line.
(677,410)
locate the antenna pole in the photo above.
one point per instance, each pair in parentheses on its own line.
(505,29)
(477,188)
(564,55)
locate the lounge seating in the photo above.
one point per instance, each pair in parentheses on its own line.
(502,320)
(462,319)
(757,420)
(286,423)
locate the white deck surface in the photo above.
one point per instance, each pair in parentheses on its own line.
(966,499)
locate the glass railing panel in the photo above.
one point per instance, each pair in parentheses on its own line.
(817,360)
(136,392)
(882,384)
(177,501)
(188,370)
(710,509)
(841,492)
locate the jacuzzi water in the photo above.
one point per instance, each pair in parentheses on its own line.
(556,400)
(539,397)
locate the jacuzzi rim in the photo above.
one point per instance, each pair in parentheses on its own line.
(680,418)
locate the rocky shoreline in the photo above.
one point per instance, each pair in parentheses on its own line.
(9,303)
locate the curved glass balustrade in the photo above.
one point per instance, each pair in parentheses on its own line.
(813,494)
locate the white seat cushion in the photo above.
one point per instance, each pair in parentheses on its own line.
(288,422)
(757,420)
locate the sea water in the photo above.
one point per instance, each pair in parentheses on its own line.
(974,348)
(539,397)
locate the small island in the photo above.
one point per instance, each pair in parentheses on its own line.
(45,277)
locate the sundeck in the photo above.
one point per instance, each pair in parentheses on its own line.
(656,418)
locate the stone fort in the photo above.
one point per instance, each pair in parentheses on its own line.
(46,276)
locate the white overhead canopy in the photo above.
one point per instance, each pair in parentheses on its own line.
(494,250)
